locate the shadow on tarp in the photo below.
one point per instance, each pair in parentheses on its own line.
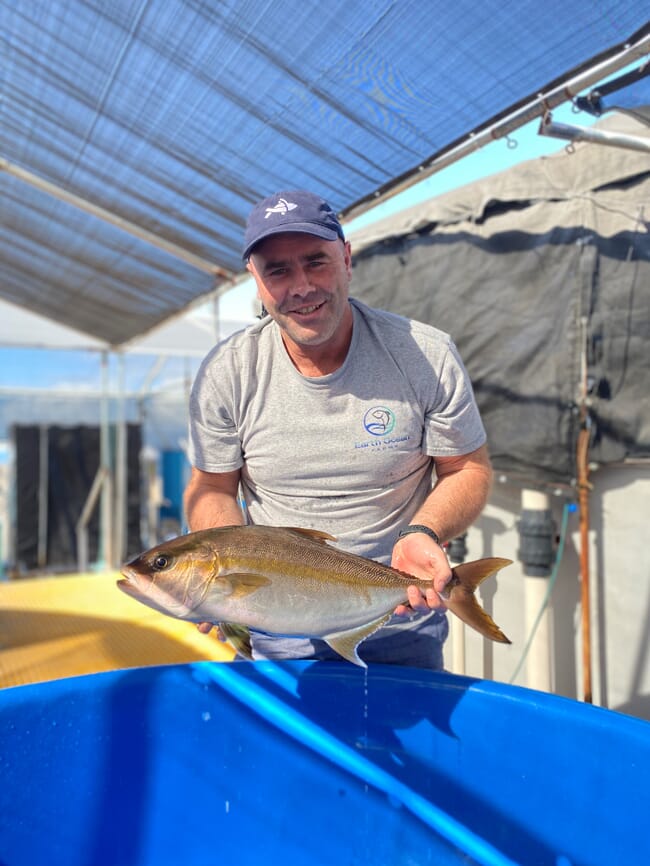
(314,763)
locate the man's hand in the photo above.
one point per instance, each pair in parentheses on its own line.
(419,555)
(206,628)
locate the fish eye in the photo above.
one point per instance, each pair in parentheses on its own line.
(160,562)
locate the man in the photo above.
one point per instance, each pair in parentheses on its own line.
(331,415)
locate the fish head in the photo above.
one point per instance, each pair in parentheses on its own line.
(174,577)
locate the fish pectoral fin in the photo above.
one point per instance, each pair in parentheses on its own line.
(314,534)
(345,643)
(244,584)
(239,638)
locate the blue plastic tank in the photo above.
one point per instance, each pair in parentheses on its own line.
(315,763)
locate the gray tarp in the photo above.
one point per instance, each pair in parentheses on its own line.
(512,266)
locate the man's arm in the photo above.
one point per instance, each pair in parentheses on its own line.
(458,497)
(211,499)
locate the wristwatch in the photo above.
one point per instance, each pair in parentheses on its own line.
(420,527)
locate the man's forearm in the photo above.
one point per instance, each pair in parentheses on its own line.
(209,504)
(213,510)
(458,497)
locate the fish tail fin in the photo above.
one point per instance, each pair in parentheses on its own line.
(462,601)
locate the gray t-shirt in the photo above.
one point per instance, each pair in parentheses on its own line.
(349,453)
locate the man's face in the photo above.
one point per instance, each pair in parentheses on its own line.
(303,282)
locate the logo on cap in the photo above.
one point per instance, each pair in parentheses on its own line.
(283,206)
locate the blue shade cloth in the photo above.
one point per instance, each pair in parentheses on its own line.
(178,116)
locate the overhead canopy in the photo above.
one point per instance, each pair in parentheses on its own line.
(134,136)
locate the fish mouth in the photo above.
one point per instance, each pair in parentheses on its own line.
(136,588)
(133,584)
(131,579)
(129,585)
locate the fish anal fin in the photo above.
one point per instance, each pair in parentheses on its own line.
(346,643)
(314,534)
(239,638)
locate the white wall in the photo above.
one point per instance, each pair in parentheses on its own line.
(620,593)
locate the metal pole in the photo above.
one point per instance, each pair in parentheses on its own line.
(105,552)
(594,136)
(82,523)
(582,461)
(120,468)
(585,594)
(58,192)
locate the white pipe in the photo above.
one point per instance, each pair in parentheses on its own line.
(539,666)
(458,660)
(538,663)
(84,517)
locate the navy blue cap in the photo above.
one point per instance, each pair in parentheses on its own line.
(292,211)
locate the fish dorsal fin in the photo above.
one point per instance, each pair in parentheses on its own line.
(239,638)
(345,643)
(314,534)
(244,583)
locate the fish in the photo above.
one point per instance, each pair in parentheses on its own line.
(289,581)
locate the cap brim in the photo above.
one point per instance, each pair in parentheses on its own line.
(293,228)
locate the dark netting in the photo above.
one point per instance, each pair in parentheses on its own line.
(54,472)
(536,292)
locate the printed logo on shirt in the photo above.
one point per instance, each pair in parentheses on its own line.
(379,421)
